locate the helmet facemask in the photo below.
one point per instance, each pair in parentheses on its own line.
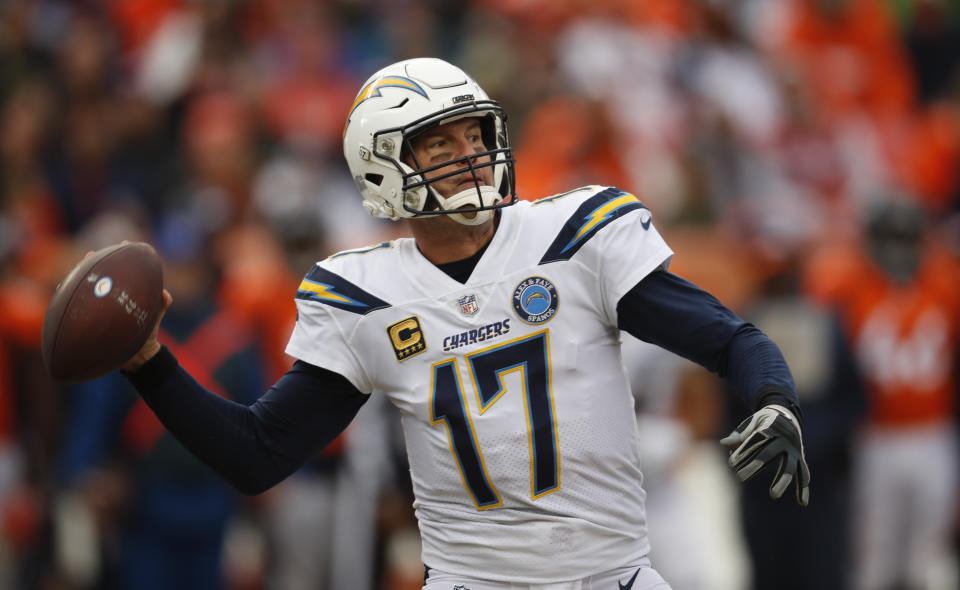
(421,198)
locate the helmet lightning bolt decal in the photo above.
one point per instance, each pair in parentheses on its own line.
(372,90)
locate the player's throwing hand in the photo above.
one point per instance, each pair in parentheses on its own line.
(771,432)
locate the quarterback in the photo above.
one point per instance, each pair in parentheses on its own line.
(495,331)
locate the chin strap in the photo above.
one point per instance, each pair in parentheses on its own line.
(479,218)
(482,196)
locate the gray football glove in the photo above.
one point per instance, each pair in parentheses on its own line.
(772,432)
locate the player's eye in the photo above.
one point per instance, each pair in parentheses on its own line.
(438,148)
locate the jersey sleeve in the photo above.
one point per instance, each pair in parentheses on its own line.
(331,302)
(319,338)
(631,249)
(627,246)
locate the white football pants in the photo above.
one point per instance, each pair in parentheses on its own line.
(627,578)
(905,486)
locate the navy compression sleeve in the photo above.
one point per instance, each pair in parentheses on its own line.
(252,447)
(675,314)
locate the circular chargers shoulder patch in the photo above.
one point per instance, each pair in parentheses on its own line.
(535,300)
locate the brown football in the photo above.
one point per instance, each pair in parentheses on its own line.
(102,312)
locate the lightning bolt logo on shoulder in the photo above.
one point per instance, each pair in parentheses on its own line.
(331,289)
(592,215)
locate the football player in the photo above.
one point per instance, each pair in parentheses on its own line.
(898,294)
(495,331)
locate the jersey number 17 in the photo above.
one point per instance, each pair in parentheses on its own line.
(530,355)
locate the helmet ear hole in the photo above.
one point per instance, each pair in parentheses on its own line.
(488,133)
(372,178)
(431,203)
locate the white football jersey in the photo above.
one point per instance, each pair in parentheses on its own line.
(517,414)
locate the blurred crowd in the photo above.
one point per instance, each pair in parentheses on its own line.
(802,157)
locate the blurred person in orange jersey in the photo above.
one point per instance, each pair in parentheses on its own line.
(255,277)
(567,141)
(898,292)
(851,52)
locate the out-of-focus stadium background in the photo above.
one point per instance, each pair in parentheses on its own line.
(802,157)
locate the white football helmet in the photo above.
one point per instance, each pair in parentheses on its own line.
(397,103)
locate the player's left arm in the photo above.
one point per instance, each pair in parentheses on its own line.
(673,313)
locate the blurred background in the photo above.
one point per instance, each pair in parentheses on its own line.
(802,157)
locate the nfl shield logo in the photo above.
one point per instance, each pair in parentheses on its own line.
(468,304)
